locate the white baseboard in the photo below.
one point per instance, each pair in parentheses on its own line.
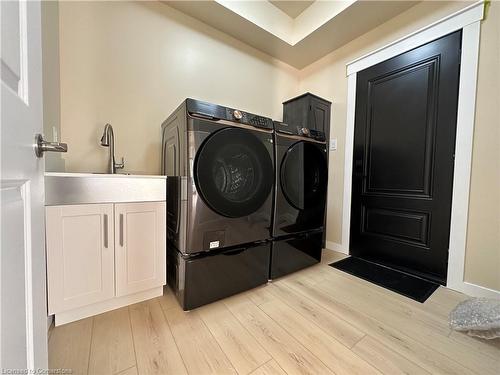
(474,290)
(101,307)
(330,245)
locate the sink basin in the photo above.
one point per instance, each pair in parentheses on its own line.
(84,188)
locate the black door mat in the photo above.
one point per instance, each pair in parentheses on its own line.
(407,285)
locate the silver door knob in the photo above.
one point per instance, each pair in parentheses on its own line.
(42,146)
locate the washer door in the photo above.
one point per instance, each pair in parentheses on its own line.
(233,172)
(304,176)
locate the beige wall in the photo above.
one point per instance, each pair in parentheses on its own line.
(327,78)
(131,64)
(482,264)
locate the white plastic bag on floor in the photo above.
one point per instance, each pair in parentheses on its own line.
(478,317)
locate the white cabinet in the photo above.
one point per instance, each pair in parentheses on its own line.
(103,256)
(139,246)
(81,255)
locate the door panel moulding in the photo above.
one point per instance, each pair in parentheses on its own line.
(15,195)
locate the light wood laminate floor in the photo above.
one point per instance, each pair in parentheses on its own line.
(316,321)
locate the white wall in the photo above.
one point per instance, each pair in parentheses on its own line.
(132,63)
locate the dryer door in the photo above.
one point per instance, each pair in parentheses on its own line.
(233,172)
(303,178)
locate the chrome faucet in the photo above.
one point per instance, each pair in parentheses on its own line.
(108,140)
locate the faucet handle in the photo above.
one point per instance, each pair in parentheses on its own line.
(120,165)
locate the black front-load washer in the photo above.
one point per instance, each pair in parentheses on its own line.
(220,167)
(300,198)
(221,164)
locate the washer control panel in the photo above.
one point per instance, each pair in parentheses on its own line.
(248,118)
(217,112)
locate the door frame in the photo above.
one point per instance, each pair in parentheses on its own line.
(468,20)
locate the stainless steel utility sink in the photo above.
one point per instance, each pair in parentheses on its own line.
(83,188)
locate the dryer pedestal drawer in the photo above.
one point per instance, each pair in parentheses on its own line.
(203,279)
(291,254)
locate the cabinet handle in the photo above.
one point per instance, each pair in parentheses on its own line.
(121,230)
(105,231)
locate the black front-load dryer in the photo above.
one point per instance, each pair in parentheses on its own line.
(301,180)
(300,199)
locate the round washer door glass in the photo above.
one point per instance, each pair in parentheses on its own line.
(304,175)
(233,172)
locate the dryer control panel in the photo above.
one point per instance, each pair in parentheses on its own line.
(281,127)
(217,112)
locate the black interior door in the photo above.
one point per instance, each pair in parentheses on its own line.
(404,141)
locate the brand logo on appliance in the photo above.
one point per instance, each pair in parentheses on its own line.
(214,244)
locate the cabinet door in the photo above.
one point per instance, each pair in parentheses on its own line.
(140,252)
(80,255)
(320,116)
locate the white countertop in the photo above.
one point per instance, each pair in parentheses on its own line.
(116,175)
(83,188)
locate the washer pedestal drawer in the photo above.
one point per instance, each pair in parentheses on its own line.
(202,279)
(290,254)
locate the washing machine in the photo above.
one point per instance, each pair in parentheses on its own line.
(300,198)
(220,167)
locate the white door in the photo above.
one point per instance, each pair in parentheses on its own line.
(80,255)
(140,246)
(23,310)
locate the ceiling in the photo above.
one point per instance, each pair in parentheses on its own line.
(320,28)
(292,8)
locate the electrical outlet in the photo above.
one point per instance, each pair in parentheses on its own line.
(333,144)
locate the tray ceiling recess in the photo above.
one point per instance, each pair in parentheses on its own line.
(295,32)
